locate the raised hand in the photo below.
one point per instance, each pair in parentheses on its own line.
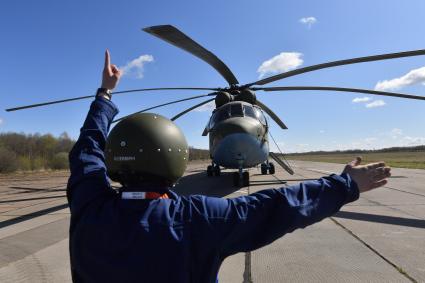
(111,74)
(369,176)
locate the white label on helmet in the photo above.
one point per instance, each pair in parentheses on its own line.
(133,195)
(124,158)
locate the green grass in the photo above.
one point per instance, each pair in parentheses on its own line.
(407,159)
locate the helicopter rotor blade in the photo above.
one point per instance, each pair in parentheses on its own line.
(342,89)
(47,103)
(337,63)
(191,108)
(272,115)
(116,92)
(164,104)
(177,38)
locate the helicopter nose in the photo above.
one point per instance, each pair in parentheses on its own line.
(240,149)
(239,142)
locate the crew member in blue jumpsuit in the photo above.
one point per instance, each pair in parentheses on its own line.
(182,239)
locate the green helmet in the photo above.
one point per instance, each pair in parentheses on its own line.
(146,147)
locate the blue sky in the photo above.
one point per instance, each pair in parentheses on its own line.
(54,49)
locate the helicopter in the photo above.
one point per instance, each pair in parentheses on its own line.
(238,128)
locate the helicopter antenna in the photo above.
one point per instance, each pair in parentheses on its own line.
(283,156)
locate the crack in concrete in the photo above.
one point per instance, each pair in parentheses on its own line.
(398,268)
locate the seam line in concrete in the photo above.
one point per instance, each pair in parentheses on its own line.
(391,207)
(25,243)
(416,194)
(247,275)
(399,269)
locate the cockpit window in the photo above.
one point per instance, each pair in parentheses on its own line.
(249,111)
(260,116)
(236,110)
(221,114)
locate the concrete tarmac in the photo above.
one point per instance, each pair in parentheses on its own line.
(379,238)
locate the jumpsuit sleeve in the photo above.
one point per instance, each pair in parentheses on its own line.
(86,159)
(249,222)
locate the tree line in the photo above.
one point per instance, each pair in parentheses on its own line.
(198,154)
(27,152)
(19,151)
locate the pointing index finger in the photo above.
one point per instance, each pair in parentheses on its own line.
(107,59)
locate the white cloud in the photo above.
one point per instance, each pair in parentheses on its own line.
(412,141)
(396,133)
(1,121)
(302,147)
(370,140)
(210,106)
(392,138)
(136,66)
(376,103)
(361,99)
(322,131)
(308,21)
(283,62)
(372,104)
(413,77)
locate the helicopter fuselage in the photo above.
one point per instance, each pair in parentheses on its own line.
(238,135)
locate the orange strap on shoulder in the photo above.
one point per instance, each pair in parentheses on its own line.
(154,195)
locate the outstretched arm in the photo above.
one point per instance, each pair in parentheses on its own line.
(250,222)
(87,164)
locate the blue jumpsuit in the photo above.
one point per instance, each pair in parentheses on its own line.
(180,239)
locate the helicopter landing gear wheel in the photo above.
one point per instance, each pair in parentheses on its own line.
(216,170)
(241,178)
(209,171)
(263,169)
(245,179)
(271,168)
(236,179)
